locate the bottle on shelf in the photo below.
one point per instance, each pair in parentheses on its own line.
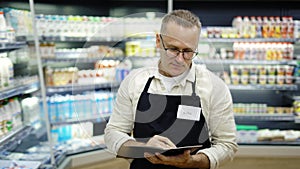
(277,32)
(258,26)
(10,115)
(3,28)
(6,71)
(246,27)
(253,24)
(290,28)
(237,23)
(271,31)
(265,27)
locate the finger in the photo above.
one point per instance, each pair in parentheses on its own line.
(169,160)
(146,154)
(161,157)
(187,152)
(166,141)
(152,158)
(169,143)
(155,141)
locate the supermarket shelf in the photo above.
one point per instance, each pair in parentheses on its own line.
(19,89)
(274,143)
(297,119)
(286,87)
(91,60)
(228,40)
(76,88)
(265,117)
(12,46)
(297,41)
(295,98)
(10,139)
(297,80)
(79,60)
(246,62)
(79,39)
(103,117)
(142,57)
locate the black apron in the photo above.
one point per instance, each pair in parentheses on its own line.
(157,115)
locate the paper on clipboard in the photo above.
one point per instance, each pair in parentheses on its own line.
(138,151)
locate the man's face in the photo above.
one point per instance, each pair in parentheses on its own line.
(178,38)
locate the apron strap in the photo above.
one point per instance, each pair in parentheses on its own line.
(193,87)
(148,84)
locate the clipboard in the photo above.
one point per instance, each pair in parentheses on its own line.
(138,151)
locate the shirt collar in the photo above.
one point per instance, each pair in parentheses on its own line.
(189,77)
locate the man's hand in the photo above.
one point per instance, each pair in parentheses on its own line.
(185,160)
(181,160)
(160,141)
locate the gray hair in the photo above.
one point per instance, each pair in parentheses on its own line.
(181,17)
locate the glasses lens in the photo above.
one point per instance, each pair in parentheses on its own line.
(189,55)
(175,52)
(172,52)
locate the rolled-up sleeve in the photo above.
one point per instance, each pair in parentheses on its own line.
(121,121)
(221,125)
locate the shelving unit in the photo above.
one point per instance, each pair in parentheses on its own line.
(20,86)
(269,94)
(12,138)
(231,40)
(273,143)
(92,40)
(265,117)
(78,88)
(99,119)
(11,46)
(18,90)
(245,62)
(102,118)
(79,60)
(284,87)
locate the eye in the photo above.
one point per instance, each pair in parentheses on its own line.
(188,51)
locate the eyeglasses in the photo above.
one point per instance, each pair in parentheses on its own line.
(174,52)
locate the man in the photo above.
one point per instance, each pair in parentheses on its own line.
(177,103)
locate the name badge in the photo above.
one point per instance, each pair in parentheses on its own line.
(188,113)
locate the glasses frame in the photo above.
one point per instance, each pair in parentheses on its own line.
(195,53)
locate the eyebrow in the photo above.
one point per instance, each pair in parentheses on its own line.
(175,47)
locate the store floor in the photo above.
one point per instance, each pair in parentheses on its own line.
(238,163)
(263,163)
(110,164)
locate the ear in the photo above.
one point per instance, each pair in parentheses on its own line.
(157,40)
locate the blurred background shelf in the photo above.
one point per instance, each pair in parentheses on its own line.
(19,89)
(12,46)
(77,88)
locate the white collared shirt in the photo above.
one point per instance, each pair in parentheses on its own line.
(170,82)
(216,105)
